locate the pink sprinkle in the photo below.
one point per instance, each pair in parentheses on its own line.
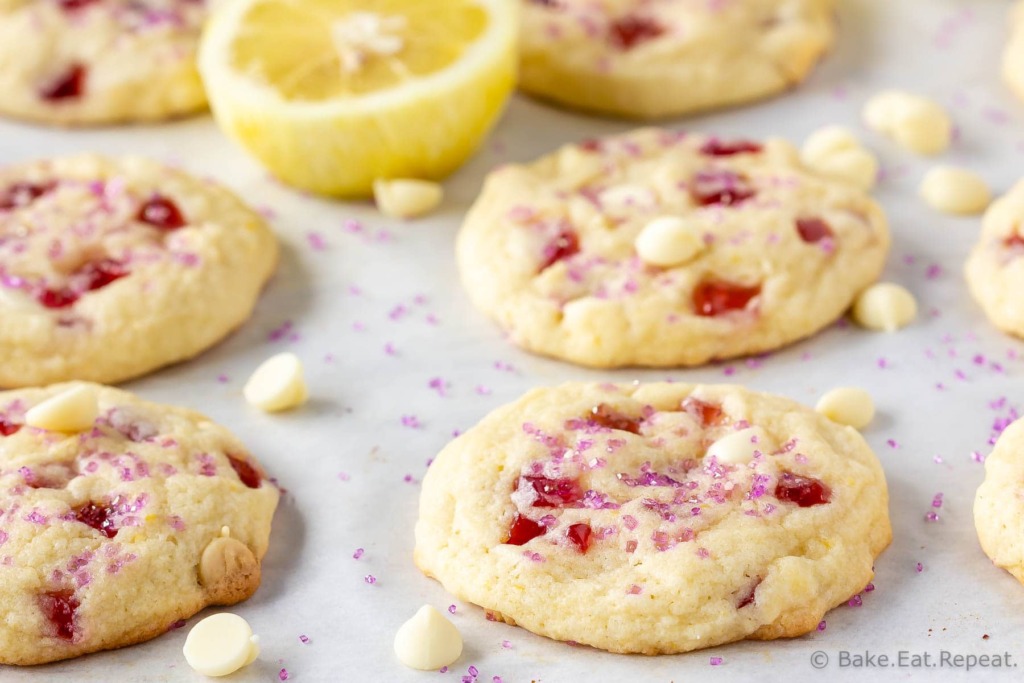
(634,590)
(351,225)
(482,390)
(821,625)
(304,640)
(473,671)
(443,670)
(451,609)
(931,517)
(389,349)
(439,385)
(316,241)
(937,500)
(344,476)
(716,661)
(977,457)
(506,644)
(496,679)
(882,363)
(411,421)
(893,443)
(919,567)
(868,588)
(222,378)
(855,601)
(370,579)
(282,674)
(358,553)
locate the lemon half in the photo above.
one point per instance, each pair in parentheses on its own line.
(333,94)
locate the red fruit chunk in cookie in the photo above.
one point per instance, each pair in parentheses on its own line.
(18,195)
(804,491)
(7,427)
(554,493)
(524,530)
(564,245)
(606,416)
(72,5)
(69,85)
(1014,241)
(708,414)
(713,298)
(579,535)
(88,278)
(60,607)
(719,148)
(161,212)
(719,187)
(813,230)
(628,32)
(98,517)
(249,475)
(748,599)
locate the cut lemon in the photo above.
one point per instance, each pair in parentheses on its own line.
(333,94)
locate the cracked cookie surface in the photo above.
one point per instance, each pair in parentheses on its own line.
(553,250)
(654,518)
(643,59)
(111,268)
(110,536)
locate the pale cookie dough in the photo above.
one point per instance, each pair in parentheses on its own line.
(111,268)
(560,251)
(111,536)
(594,513)
(995,268)
(1013,58)
(641,59)
(74,62)
(999,503)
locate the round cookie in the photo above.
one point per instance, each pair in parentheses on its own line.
(640,59)
(773,253)
(995,268)
(655,518)
(109,537)
(74,62)
(111,268)
(998,506)
(1013,57)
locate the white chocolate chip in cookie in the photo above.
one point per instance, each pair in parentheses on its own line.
(917,123)
(220,645)
(739,447)
(847,406)
(834,152)
(73,410)
(428,641)
(884,307)
(955,190)
(278,384)
(407,198)
(669,241)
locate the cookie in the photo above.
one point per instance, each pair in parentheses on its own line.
(110,536)
(1013,57)
(998,506)
(655,518)
(995,268)
(111,268)
(74,62)
(659,248)
(641,59)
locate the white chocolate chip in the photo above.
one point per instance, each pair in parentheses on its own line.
(738,448)
(834,152)
(72,410)
(220,645)
(917,123)
(278,384)
(669,241)
(428,641)
(884,307)
(955,190)
(407,198)
(848,406)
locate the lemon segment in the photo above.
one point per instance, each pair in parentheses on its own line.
(333,94)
